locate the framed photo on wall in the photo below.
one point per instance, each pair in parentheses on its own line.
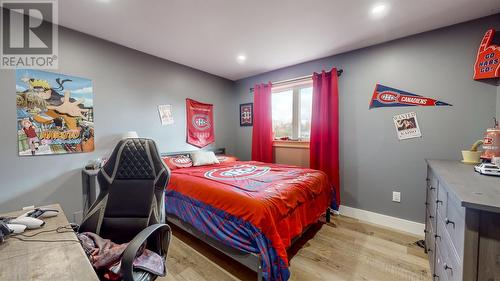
(407,126)
(246,114)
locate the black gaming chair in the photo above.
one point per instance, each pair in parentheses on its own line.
(130,205)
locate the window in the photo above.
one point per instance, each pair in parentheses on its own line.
(291,111)
(306,99)
(282,114)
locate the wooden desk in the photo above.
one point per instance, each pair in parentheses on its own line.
(20,260)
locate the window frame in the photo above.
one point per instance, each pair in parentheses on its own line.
(296,114)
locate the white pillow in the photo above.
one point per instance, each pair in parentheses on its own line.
(200,158)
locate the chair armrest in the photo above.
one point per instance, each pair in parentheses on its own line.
(134,245)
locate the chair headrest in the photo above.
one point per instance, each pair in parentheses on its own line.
(134,158)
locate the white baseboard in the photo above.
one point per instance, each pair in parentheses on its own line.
(384,220)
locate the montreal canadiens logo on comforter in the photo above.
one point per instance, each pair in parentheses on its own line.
(237,172)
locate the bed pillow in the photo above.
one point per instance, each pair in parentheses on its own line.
(177,161)
(223,158)
(201,158)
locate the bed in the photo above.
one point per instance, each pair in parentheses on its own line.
(250,211)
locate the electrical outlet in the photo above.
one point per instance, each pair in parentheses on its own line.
(396,196)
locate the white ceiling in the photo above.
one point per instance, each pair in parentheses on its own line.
(210,34)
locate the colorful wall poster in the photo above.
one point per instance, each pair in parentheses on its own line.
(407,126)
(246,114)
(384,96)
(488,58)
(200,123)
(166,116)
(55,113)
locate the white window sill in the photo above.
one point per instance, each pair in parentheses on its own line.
(291,144)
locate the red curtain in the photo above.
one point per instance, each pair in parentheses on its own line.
(324,141)
(262,134)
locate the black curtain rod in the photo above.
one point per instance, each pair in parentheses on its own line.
(339,73)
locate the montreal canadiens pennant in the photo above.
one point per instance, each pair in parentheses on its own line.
(384,96)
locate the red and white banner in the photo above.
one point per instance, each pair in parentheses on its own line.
(200,123)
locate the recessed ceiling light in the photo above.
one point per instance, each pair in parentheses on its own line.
(379,9)
(241,58)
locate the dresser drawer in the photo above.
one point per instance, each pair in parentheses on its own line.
(431,203)
(454,222)
(432,196)
(430,231)
(431,217)
(439,274)
(431,178)
(452,217)
(451,263)
(430,246)
(442,198)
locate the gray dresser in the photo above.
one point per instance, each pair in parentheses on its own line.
(462,229)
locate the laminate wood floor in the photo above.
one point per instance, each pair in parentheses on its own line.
(346,249)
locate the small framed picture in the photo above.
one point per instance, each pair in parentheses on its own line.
(246,114)
(407,126)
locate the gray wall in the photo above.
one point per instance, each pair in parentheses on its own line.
(128,87)
(373,162)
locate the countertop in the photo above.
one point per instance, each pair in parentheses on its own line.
(471,188)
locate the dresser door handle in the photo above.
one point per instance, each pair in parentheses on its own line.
(448,221)
(434,276)
(429,250)
(446,267)
(437,236)
(431,216)
(431,187)
(439,202)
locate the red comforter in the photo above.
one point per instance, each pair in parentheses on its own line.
(279,200)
